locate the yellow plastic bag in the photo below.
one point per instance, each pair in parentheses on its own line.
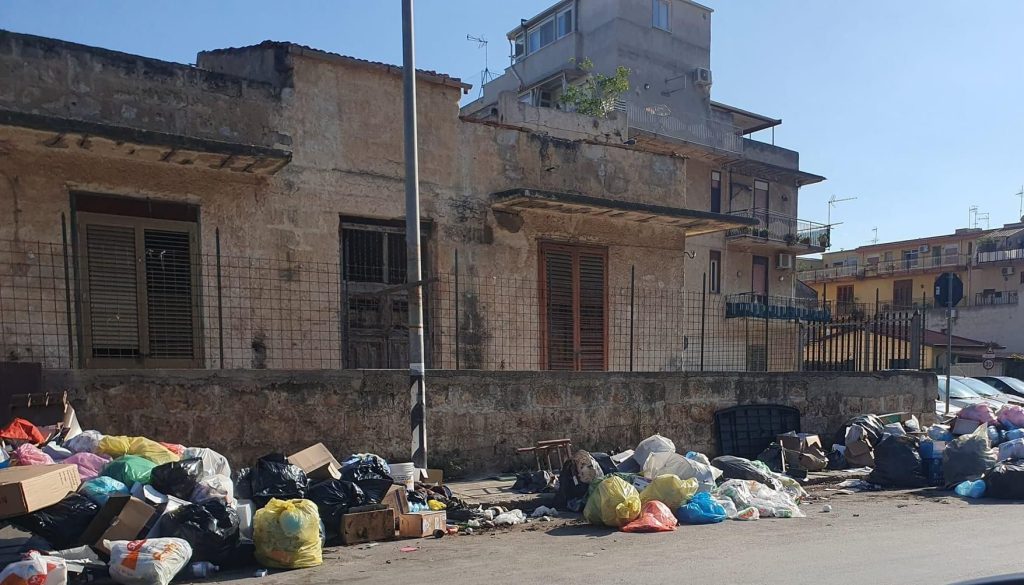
(614,503)
(669,490)
(140,446)
(286,534)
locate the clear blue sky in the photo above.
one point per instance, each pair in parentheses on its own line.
(912,106)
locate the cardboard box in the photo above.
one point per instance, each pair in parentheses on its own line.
(317,462)
(422,524)
(396,499)
(432,477)
(121,518)
(802,442)
(33,487)
(963,426)
(372,526)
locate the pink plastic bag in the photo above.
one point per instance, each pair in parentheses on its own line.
(980,412)
(89,464)
(654,517)
(1012,414)
(31,455)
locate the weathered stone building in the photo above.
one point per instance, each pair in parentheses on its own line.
(245,212)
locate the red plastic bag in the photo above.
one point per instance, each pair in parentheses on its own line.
(980,412)
(31,455)
(173,448)
(22,430)
(654,517)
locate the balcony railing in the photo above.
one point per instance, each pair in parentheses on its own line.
(1000,255)
(680,126)
(774,307)
(1002,297)
(884,268)
(777,227)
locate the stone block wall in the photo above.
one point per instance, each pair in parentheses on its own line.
(475,419)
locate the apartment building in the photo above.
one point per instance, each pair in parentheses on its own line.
(901,275)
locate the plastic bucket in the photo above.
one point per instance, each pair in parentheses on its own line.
(403,473)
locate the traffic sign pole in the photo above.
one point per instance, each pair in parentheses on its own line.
(949,339)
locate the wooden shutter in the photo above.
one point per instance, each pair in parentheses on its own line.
(112,291)
(559,310)
(591,268)
(139,292)
(574,293)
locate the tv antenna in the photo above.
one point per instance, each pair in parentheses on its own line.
(832,203)
(486,75)
(975,217)
(874,231)
(1020,213)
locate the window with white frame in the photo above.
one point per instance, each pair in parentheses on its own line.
(545,32)
(660,18)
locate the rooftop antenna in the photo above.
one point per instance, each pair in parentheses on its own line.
(972,216)
(1020,195)
(832,203)
(874,230)
(486,75)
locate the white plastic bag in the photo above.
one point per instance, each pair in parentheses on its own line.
(36,569)
(84,442)
(730,507)
(675,464)
(215,487)
(147,562)
(213,462)
(650,445)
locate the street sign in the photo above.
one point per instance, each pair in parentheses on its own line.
(948,291)
(988,364)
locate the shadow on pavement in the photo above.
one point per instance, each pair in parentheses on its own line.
(582,530)
(939,492)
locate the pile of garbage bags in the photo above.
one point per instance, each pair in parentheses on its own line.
(672,489)
(270,513)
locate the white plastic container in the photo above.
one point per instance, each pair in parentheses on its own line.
(404,473)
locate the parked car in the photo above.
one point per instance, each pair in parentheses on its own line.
(1004,384)
(987,391)
(960,396)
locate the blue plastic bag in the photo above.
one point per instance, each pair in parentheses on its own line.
(702,509)
(98,489)
(939,433)
(1014,434)
(971,489)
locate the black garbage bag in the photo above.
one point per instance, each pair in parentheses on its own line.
(177,478)
(274,477)
(61,524)
(739,468)
(370,467)
(898,463)
(872,425)
(374,489)
(243,483)
(836,460)
(1005,480)
(333,498)
(570,488)
(605,461)
(211,529)
(967,457)
(772,457)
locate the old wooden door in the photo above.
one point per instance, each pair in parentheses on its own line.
(574,307)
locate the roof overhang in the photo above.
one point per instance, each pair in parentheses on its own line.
(137,144)
(746,120)
(694,222)
(753,168)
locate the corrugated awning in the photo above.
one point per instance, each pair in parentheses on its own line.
(694,222)
(139,144)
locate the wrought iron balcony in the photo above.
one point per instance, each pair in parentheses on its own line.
(885,268)
(999,297)
(999,255)
(771,226)
(772,307)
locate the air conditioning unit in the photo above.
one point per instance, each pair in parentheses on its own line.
(702,77)
(1007,270)
(784,262)
(923,248)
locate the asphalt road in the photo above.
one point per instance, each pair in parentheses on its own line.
(876,538)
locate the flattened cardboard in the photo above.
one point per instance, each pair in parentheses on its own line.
(373,526)
(317,461)
(121,518)
(433,477)
(964,426)
(422,524)
(29,488)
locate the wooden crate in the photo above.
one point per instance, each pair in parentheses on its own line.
(359,527)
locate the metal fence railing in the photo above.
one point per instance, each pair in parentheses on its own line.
(289,313)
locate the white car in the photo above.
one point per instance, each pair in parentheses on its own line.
(960,396)
(1005,384)
(988,391)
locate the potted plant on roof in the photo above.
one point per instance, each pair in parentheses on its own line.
(823,240)
(790,239)
(805,241)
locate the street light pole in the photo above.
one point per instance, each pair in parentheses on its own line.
(417,383)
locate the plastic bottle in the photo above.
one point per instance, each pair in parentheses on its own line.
(971,489)
(202,569)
